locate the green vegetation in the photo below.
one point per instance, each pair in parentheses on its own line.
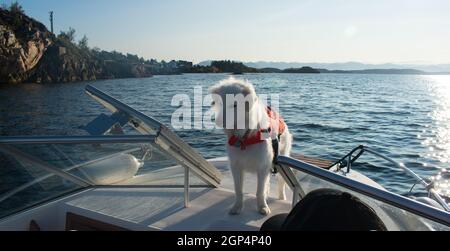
(270,70)
(203,69)
(14,8)
(305,69)
(68,35)
(83,43)
(16,11)
(232,67)
(223,66)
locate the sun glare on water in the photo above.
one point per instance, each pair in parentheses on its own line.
(440,145)
(439,140)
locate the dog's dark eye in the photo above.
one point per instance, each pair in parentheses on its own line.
(213,103)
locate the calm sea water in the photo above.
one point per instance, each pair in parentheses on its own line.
(405,117)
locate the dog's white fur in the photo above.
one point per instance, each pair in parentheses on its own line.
(255,158)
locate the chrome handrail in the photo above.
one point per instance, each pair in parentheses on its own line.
(362,149)
(398,165)
(387,197)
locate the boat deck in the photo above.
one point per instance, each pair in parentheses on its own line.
(150,209)
(325,164)
(163,209)
(156,205)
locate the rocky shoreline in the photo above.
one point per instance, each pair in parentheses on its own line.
(30,53)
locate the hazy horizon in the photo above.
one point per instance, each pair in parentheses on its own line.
(336,31)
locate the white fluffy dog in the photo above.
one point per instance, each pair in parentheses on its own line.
(250,138)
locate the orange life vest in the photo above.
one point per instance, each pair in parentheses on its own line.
(277,126)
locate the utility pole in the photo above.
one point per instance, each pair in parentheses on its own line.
(51,21)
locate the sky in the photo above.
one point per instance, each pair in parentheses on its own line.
(382,31)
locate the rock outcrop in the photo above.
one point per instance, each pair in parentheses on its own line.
(23,42)
(30,53)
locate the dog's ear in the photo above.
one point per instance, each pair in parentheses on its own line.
(214,89)
(248,88)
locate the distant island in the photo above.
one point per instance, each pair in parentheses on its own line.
(380,71)
(350,66)
(228,66)
(30,53)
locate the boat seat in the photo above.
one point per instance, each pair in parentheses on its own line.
(327,210)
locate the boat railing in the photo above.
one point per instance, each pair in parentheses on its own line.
(348,160)
(431,213)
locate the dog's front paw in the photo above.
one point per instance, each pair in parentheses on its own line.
(265,210)
(236,209)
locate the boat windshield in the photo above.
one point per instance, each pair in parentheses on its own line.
(397,212)
(126,148)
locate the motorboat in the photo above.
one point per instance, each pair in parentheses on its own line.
(132,172)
